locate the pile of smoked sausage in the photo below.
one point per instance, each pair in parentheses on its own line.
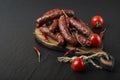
(64,27)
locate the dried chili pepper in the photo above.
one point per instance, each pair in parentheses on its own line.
(70,51)
(38,53)
(102,33)
(44,36)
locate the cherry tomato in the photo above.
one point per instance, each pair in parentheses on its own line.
(97,21)
(95,39)
(78,64)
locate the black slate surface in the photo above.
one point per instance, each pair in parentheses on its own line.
(17,22)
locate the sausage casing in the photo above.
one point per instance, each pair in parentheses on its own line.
(80,26)
(55,13)
(65,31)
(54,25)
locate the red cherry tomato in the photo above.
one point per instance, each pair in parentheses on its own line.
(97,21)
(78,64)
(95,40)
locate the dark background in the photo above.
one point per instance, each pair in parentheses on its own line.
(17,22)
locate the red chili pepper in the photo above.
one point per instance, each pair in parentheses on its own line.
(70,51)
(38,52)
(45,37)
(102,33)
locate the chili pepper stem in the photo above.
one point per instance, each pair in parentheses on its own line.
(38,53)
(102,33)
(104,30)
(38,57)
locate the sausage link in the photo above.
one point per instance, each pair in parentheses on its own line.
(67,11)
(80,26)
(58,38)
(53,26)
(55,13)
(65,32)
(82,40)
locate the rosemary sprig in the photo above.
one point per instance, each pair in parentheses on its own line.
(87,59)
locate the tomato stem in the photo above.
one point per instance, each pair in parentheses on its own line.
(98,24)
